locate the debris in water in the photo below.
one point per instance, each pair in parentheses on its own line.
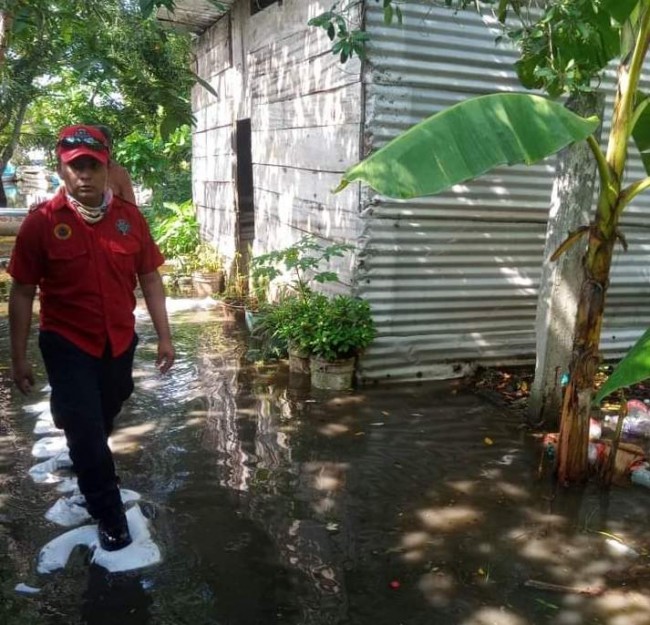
(24,589)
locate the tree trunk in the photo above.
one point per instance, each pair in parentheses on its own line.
(571,205)
(574,427)
(5,25)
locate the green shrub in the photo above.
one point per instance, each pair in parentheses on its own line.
(175,229)
(342,327)
(301,260)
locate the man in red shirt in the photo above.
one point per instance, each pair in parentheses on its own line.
(84,249)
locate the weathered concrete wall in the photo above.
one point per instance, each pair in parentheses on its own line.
(305,111)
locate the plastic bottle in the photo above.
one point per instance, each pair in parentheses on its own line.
(637,426)
(637,421)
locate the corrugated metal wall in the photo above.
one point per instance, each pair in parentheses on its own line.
(452,279)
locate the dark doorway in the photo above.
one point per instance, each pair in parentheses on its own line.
(258,5)
(245,193)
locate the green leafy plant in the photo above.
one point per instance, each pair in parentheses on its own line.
(292,320)
(301,260)
(633,368)
(342,327)
(176,230)
(205,259)
(236,290)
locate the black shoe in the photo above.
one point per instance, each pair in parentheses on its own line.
(114,532)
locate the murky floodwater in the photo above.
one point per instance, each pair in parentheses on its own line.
(273,504)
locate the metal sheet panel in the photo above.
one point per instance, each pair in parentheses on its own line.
(453,279)
(193,15)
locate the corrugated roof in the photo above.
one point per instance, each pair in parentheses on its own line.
(193,15)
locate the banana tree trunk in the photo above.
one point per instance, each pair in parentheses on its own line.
(574,424)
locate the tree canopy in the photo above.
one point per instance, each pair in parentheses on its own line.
(68,61)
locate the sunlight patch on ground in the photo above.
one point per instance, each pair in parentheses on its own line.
(450,520)
(623,608)
(467,487)
(494,616)
(438,588)
(543,518)
(333,429)
(129,439)
(513,491)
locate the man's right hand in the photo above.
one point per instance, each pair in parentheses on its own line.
(21,373)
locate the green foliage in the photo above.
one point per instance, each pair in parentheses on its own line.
(292,320)
(347,40)
(342,327)
(301,260)
(95,62)
(206,259)
(641,129)
(236,291)
(633,368)
(495,130)
(330,328)
(163,165)
(572,42)
(176,230)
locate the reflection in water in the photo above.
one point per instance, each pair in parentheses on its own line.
(273,504)
(115,600)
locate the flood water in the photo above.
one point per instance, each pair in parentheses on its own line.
(272,504)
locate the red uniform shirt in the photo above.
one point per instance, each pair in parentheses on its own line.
(86,273)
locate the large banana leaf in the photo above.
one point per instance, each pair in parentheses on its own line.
(634,368)
(468,139)
(620,10)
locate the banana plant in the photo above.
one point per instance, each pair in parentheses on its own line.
(479,134)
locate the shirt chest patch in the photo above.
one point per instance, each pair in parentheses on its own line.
(62,231)
(123,226)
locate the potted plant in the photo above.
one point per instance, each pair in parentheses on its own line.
(206,265)
(291,322)
(342,327)
(256,305)
(292,317)
(233,297)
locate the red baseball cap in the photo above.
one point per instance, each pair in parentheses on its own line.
(80,140)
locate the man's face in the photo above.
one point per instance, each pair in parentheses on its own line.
(85,179)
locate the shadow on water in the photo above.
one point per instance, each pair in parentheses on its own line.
(276,504)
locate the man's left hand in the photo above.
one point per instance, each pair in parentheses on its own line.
(166,355)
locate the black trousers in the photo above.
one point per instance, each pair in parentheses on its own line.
(87,395)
